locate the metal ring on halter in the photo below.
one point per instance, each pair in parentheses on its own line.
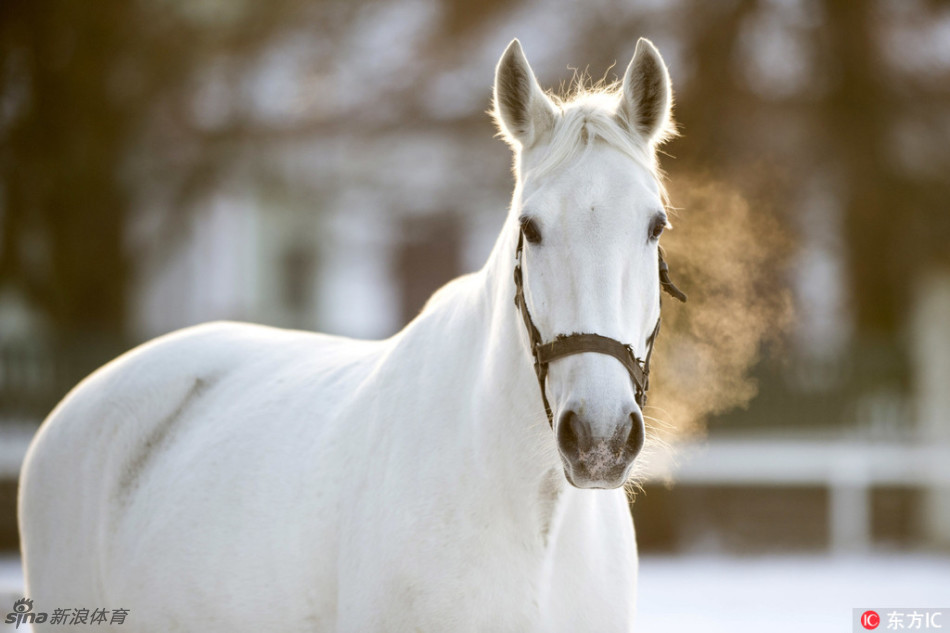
(570,344)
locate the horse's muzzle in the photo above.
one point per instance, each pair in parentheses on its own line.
(598,462)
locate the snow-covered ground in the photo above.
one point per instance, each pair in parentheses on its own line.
(715,594)
(812,593)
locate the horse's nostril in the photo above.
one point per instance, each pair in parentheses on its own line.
(573,434)
(637,434)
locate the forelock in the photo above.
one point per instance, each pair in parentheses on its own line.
(589,116)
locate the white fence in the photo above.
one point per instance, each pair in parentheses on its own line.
(849,469)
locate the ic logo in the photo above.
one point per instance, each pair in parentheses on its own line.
(870,620)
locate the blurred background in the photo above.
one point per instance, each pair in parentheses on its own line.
(327,164)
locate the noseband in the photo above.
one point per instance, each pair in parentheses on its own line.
(570,344)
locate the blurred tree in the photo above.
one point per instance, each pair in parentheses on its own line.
(896,220)
(858,114)
(65,128)
(82,84)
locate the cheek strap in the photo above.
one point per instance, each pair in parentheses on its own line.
(580,343)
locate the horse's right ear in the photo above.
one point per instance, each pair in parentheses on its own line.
(523,112)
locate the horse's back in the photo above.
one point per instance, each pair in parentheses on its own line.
(135,475)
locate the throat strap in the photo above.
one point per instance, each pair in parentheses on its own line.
(665,282)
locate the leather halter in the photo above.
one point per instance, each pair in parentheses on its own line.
(576,343)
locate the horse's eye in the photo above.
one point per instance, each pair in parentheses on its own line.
(656,229)
(530,229)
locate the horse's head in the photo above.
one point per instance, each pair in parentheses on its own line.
(588,212)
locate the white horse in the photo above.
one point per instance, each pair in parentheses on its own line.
(231,478)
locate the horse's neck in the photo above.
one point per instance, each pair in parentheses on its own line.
(510,382)
(505,429)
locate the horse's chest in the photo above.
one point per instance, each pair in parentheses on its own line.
(511,588)
(497,591)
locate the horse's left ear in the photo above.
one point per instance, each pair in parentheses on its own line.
(646,101)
